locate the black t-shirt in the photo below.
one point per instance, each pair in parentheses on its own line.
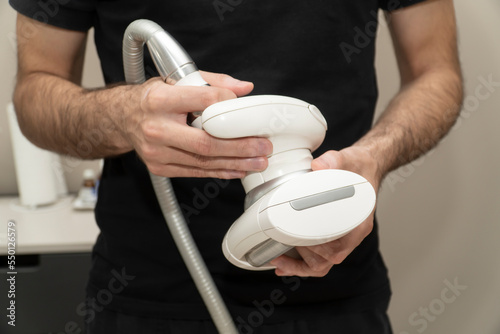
(320,51)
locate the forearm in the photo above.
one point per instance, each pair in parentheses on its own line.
(55,113)
(415,120)
(58,115)
(423,111)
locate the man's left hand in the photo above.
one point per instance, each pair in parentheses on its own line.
(318,260)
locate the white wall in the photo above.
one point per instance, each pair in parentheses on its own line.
(439,217)
(91,78)
(8,71)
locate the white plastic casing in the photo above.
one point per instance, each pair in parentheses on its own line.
(294,127)
(192,79)
(321,219)
(310,209)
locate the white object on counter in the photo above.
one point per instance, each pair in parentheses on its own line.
(37,181)
(87,195)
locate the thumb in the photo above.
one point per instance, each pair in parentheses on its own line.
(328,160)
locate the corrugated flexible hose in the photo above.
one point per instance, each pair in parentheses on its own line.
(173,64)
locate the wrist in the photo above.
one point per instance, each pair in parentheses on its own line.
(118,104)
(357,159)
(361,160)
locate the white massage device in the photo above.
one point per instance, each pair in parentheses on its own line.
(287,204)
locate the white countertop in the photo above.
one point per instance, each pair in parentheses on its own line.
(57,228)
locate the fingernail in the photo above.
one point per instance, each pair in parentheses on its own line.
(257,164)
(235,174)
(265,147)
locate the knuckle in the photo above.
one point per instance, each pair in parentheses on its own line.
(210,96)
(198,173)
(223,175)
(247,147)
(321,267)
(151,98)
(323,273)
(315,267)
(233,164)
(314,264)
(368,226)
(157,95)
(331,248)
(220,174)
(337,261)
(156,169)
(204,146)
(337,258)
(148,153)
(150,130)
(202,161)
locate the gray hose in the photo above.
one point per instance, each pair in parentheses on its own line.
(173,64)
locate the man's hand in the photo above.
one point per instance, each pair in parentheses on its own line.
(421,113)
(57,114)
(318,260)
(155,125)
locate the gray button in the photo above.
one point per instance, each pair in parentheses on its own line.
(323,198)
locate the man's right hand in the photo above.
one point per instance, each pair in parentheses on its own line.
(57,114)
(155,125)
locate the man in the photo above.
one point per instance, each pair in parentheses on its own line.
(319,51)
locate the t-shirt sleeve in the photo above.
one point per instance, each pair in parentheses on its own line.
(391,5)
(68,14)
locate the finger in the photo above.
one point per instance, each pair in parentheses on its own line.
(201,143)
(238,87)
(159,97)
(314,260)
(189,139)
(336,251)
(333,252)
(328,160)
(183,158)
(287,266)
(171,170)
